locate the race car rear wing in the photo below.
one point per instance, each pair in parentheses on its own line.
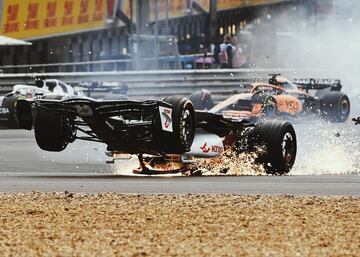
(318,84)
(104,86)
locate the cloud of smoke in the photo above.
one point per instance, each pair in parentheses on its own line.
(314,42)
(325,148)
(322,45)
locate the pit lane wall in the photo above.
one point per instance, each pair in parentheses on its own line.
(157,84)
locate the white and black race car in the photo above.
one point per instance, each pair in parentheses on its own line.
(167,135)
(47,87)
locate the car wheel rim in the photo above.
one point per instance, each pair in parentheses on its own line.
(186,126)
(344,106)
(288,147)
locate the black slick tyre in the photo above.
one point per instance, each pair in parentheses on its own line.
(183,122)
(49,132)
(277,140)
(10,103)
(335,107)
(53,131)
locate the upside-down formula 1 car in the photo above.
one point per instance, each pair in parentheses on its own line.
(8,103)
(167,135)
(281,97)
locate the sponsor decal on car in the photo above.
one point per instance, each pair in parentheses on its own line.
(204,148)
(213,148)
(165,117)
(317,81)
(217,149)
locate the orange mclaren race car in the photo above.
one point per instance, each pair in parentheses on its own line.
(281,97)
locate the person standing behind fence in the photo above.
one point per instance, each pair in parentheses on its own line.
(238,58)
(225,53)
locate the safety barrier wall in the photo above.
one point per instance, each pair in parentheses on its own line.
(155,84)
(165,62)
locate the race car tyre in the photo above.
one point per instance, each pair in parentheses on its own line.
(24,114)
(53,131)
(10,102)
(335,107)
(183,121)
(277,145)
(269,109)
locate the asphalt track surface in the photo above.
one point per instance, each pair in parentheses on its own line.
(81,168)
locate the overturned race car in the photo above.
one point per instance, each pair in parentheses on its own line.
(167,135)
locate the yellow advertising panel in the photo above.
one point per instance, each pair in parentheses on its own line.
(176,8)
(37,18)
(231,4)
